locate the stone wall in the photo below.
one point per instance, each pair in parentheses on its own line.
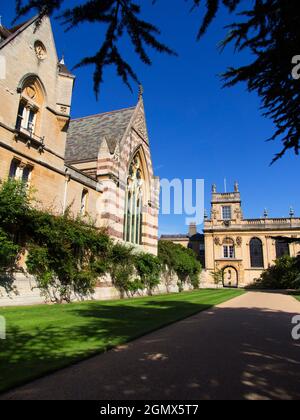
(21,290)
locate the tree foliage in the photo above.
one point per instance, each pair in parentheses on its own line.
(175,259)
(284,274)
(148,268)
(267,29)
(121,267)
(8,252)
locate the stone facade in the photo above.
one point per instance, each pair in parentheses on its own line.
(90,174)
(243,248)
(98,171)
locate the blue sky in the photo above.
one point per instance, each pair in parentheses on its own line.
(197,129)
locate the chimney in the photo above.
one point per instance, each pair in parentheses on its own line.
(193,229)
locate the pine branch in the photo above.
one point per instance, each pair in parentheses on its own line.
(269,30)
(121,17)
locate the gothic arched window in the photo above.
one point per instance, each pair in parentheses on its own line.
(134,203)
(256,253)
(30,105)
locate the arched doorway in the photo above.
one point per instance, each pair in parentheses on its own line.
(230,277)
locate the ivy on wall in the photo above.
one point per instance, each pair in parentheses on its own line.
(67,256)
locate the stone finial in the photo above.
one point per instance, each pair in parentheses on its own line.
(236,187)
(205,214)
(292,212)
(214,188)
(266,213)
(141,91)
(62,61)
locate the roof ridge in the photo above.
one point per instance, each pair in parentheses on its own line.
(103,113)
(17,30)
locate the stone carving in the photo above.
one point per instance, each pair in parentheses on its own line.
(214,189)
(40,50)
(30,92)
(217,241)
(238,213)
(239,241)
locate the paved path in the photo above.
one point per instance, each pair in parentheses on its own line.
(239,350)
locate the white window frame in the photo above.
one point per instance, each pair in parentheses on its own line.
(28,108)
(229,252)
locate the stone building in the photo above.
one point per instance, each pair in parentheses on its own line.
(98,167)
(241,248)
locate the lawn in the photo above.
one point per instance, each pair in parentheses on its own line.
(43,338)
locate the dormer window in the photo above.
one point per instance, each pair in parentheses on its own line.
(226,213)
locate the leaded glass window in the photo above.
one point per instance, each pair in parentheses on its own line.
(256,253)
(134,203)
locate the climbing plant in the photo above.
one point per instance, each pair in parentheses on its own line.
(149,269)
(66,256)
(175,259)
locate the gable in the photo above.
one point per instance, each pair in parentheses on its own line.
(139,124)
(23,42)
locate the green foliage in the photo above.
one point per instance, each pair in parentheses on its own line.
(149,269)
(135,286)
(8,252)
(15,202)
(66,256)
(121,267)
(217,277)
(284,274)
(176,259)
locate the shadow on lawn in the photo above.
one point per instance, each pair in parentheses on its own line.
(26,355)
(226,353)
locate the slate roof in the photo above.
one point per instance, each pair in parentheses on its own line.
(86,135)
(7,35)
(62,68)
(4,32)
